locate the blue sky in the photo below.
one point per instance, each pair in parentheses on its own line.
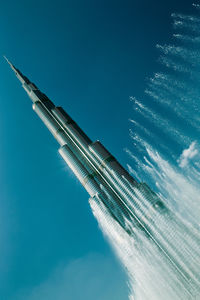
(88,57)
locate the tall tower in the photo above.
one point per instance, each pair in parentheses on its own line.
(102,176)
(97,170)
(132,204)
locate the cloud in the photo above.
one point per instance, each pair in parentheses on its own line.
(91,277)
(187,155)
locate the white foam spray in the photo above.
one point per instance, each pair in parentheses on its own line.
(173,172)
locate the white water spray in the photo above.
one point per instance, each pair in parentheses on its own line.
(167,160)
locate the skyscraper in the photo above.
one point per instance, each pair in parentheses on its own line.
(131,204)
(97,170)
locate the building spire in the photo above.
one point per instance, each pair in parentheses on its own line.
(23,79)
(11,65)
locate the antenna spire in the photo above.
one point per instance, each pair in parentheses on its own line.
(11,65)
(23,79)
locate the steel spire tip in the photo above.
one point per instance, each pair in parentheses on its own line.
(7,60)
(10,64)
(19,75)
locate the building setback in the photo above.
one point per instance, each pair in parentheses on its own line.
(131,204)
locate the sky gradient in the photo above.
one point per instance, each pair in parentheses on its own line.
(89,57)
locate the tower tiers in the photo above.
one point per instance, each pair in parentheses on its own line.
(95,167)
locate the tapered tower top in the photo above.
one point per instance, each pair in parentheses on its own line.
(23,79)
(11,65)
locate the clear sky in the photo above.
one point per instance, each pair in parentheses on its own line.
(88,57)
